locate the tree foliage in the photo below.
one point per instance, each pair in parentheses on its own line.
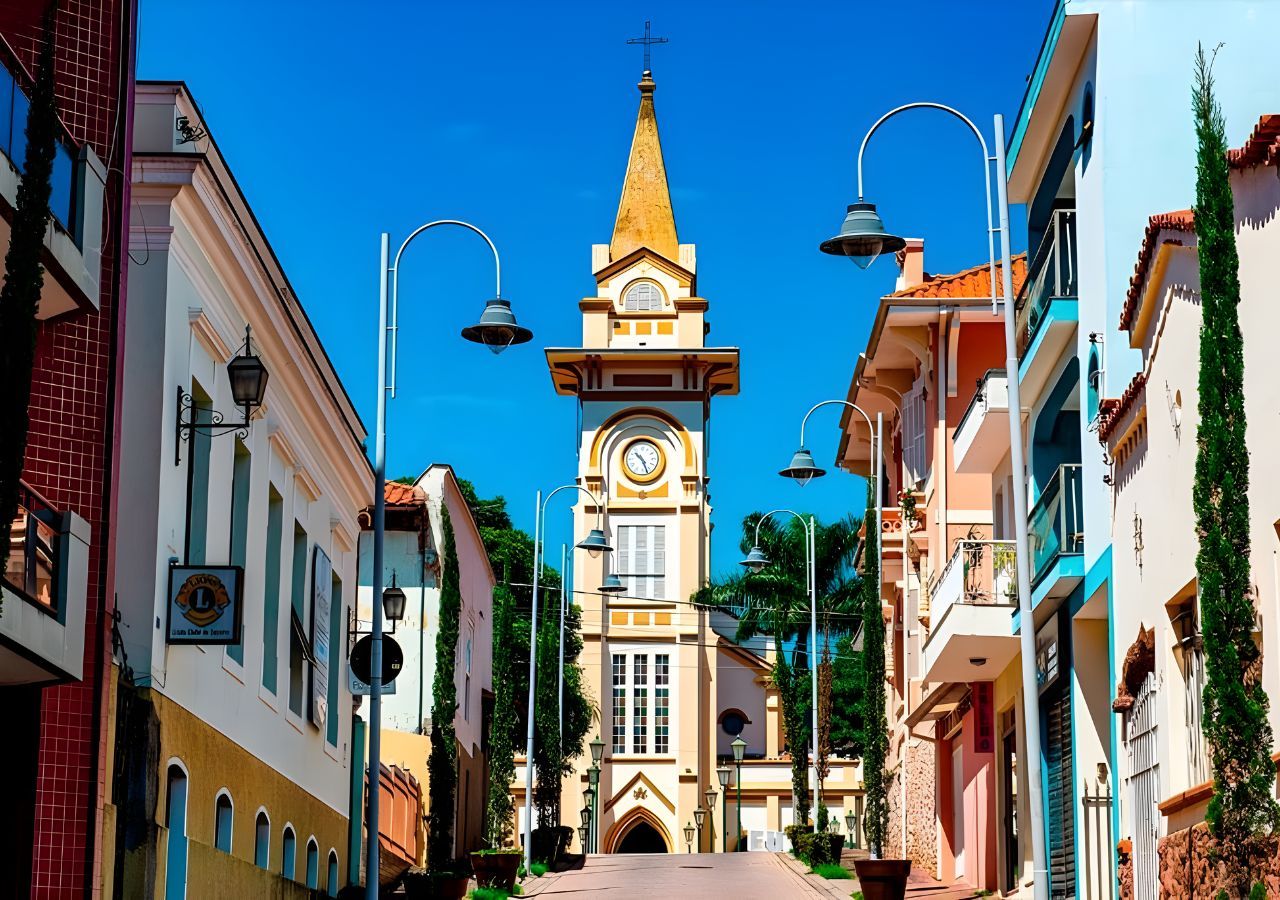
(23,280)
(871,701)
(1243,814)
(442,764)
(775,603)
(499,813)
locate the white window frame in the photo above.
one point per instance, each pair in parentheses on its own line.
(643,559)
(638,724)
(654,299)
(914,457)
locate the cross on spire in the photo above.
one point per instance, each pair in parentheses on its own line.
(648,40)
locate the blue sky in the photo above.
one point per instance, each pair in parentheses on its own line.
(340,125)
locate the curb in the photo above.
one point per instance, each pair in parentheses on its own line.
(842,889)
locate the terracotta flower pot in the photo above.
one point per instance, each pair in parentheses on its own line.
(882,879)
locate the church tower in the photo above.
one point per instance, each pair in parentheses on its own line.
(644,378)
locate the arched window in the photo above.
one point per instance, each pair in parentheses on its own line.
(289,854)
(643,296)
(313,864)
(331,877)
(175,881)
(223,814)
(262,840)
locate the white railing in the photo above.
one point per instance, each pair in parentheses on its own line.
(979,573)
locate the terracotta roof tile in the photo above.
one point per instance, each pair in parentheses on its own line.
(973,283)
(1182,220)
(1262,148)
(397,494)
(1110,412)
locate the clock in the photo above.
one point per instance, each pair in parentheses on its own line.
(644,460)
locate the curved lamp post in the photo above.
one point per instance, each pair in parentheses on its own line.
(594,543)
(756,561)
(857,239)
(497,330)
(802,470)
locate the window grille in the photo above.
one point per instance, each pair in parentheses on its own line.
(640,704)
(619,703)
(661,703)
(1142,743)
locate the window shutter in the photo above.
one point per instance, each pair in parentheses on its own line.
(659,563)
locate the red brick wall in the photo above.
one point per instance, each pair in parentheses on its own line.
(72,431)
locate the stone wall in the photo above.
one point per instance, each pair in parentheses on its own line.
(1188,873)
(922,838)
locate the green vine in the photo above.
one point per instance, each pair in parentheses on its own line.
(875,736)
(23,280)
(1243,814)
(499,812)
(442,764)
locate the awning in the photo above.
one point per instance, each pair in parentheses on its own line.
(942,701)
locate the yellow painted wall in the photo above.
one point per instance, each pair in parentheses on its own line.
(213,762)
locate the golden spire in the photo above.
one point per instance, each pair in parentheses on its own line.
(645,217)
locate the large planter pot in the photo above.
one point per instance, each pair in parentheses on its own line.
(882,879)
(420,885)
(497,870)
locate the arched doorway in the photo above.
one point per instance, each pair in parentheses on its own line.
(638,832)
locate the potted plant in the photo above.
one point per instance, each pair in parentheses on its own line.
(879,879)
(496,868)
(446,883)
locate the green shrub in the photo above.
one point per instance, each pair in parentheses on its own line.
(793,835)
(832,872)
(487,893)
(819,849)
(539,869)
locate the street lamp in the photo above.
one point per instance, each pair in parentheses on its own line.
(594,775)
(852,245)
(756,561)
(393,601)
(739,750)
(722,773)
(699,816)
(589,543)
(833,825)
(586,814)
(248,377)
(497,329)
(862,237)
(582,838)
(688,838)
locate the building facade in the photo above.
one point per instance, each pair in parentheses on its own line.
(236,579)
(413,554)
(57,588)
(673,688)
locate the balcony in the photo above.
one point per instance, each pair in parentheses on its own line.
(972,605)
(1046,313)
(43,587)
(1056,527)
(78,183)
(982,437)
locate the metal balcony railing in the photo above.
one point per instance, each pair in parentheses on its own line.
(1051,276)
(979,573)
(1056,523)
(32,569)
(982,396)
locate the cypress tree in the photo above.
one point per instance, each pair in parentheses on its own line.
(442,764)
(1242,814)
(23,280)
(503,736)
(875,735)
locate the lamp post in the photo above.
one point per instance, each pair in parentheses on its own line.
(595,544)
(722,773)
(688,838)
(863,237)
(739,750)
(802,470)
(497,330)
(710,796)
(756,561)
(593,775)
(699,816)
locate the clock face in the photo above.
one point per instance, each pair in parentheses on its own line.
(643,459)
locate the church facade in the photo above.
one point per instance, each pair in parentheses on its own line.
(673,690)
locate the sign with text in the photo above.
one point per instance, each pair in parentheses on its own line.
(321,610)
(205,604)
(363,688)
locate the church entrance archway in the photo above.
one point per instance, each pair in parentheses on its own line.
(639,832)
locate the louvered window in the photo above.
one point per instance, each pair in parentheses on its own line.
(643,296)
(913,434)
(642,560)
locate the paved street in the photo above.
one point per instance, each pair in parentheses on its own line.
(743,876)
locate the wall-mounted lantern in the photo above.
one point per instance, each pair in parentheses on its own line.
(248,377)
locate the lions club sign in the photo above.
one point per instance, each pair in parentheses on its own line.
(204,604)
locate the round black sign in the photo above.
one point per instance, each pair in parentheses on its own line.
(362,659)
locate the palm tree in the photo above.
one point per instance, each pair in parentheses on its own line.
(774,603)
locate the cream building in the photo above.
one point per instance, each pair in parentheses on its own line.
(673,690)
